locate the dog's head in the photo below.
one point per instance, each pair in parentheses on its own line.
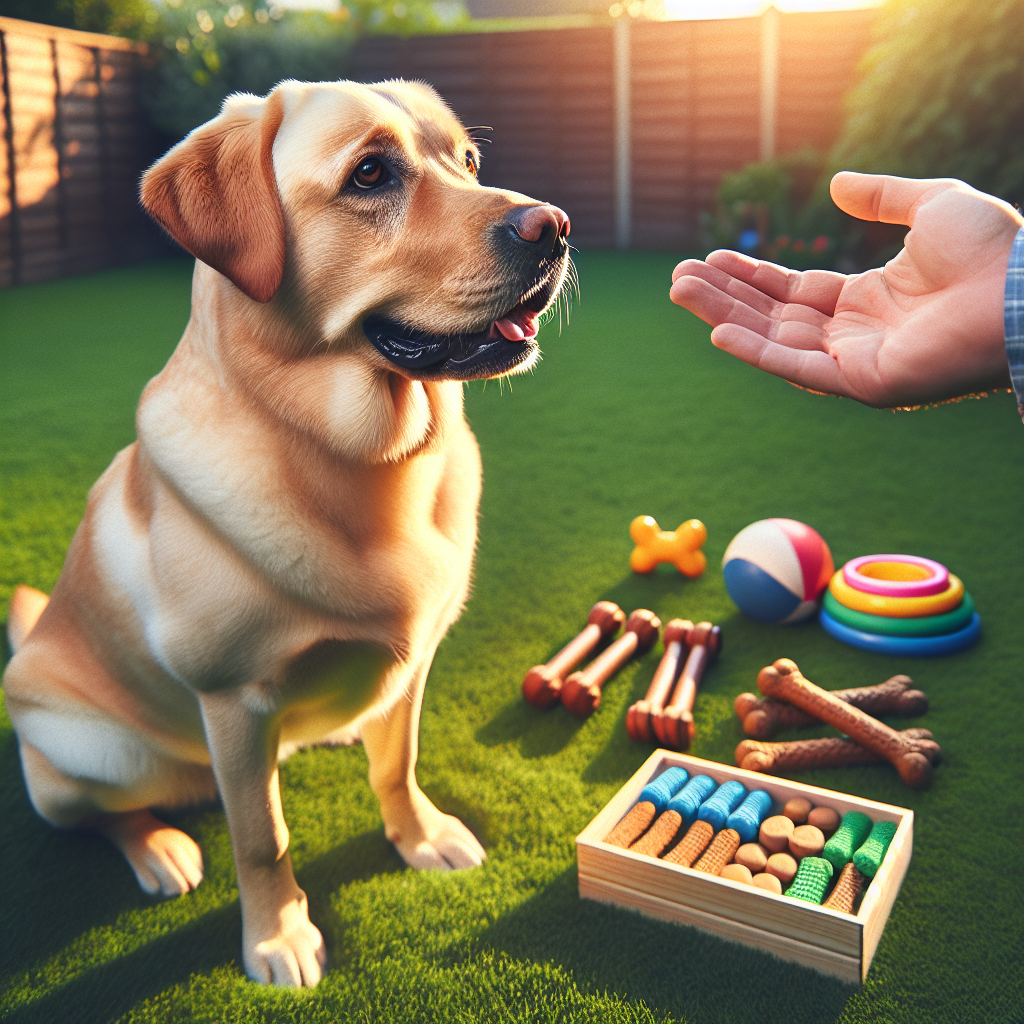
(356,212)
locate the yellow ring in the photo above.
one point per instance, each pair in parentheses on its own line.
(897,607)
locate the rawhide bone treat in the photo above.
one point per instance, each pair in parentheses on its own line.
(868,858)
(767,882)
(659,835)
(638,717)
(850,885)
(581,692)
(784,681)
(542,686)
(747,818)
(849,836)
(806,841)
(752,856)
(763,717)
(674,726)
(651,802)
(812,878)
(775,832)
(692,845)
(722,849)
(737,873)
(828,752)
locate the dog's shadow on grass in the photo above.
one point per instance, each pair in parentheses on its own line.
(547,731)
(669,968)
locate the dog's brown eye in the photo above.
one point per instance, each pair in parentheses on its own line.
(471,163)
(371,173)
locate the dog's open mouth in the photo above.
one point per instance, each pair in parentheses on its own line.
(506,343)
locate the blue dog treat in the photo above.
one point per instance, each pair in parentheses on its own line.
(662,789)
(722,803)
(691,796)
(747,818)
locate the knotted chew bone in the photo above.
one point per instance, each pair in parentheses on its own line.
(830,752)
(638,717)
(850,885)
(784,681)
(542,686)
(681,547)
(763,717)
(674,726)
(581,693)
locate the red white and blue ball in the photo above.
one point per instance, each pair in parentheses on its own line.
(776,569)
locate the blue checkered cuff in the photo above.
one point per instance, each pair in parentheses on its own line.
(1013,318)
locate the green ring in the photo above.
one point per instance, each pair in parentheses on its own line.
(925,625)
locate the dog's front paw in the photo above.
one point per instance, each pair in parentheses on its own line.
(294,954)
(428,839)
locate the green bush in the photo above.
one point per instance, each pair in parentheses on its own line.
(942,95)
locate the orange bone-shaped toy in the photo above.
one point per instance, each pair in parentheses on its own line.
(681,547)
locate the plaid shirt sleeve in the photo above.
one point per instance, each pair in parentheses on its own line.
(1013,318)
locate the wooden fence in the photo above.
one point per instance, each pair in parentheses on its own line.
(628,127)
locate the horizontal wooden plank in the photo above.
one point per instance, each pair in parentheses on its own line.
(17,28)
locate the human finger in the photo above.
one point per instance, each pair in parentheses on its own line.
(813,369)
(884,197)
(818,289)
(716,306)
(726,283)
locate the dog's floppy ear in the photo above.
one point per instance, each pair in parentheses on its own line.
(216,195)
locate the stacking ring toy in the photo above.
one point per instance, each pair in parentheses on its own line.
(897,607)
(925,625)
(921,646)
(896,575)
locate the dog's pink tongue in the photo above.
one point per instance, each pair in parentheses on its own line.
(519,325)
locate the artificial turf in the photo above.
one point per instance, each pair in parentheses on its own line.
(631,412)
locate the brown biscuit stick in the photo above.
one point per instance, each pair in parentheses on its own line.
(848,888)
(722,849)
(692,845)
(659,835)
(763,717)
(633,825)
(830,752)
(784,681)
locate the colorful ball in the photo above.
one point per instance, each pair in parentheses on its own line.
(776,569)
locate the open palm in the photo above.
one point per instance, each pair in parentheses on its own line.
(925,327)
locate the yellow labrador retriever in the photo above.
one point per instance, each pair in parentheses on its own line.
(275,560)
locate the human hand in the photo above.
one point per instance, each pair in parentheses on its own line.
(926,327)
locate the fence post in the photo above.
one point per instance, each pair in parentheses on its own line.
(621,65)
(769,81)
(12,165)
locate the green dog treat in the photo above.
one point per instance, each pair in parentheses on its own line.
(812,878)
(849,836)
(868,859)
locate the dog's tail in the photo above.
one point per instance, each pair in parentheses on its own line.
(27,605)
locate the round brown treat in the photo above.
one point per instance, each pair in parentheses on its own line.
(736,873)
(782,866)
(824,818)
(806,841)
(767,882)
(797,809)
(775,833)
(752,856)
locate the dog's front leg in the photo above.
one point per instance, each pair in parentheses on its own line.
(423,835)
(279,944)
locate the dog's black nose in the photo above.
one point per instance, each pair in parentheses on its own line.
(544,225)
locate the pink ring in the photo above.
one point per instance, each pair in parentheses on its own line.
(935,582)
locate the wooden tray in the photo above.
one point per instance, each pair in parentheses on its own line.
(834,943)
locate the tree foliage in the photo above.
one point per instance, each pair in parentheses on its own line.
(942,95)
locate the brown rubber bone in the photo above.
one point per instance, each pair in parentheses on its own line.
(638,717)
(763,717)
(784,681)
(831,752)
(674,726)
(581,693)
(542,686)
(848,888)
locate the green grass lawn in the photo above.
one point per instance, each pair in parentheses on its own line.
(631,412)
